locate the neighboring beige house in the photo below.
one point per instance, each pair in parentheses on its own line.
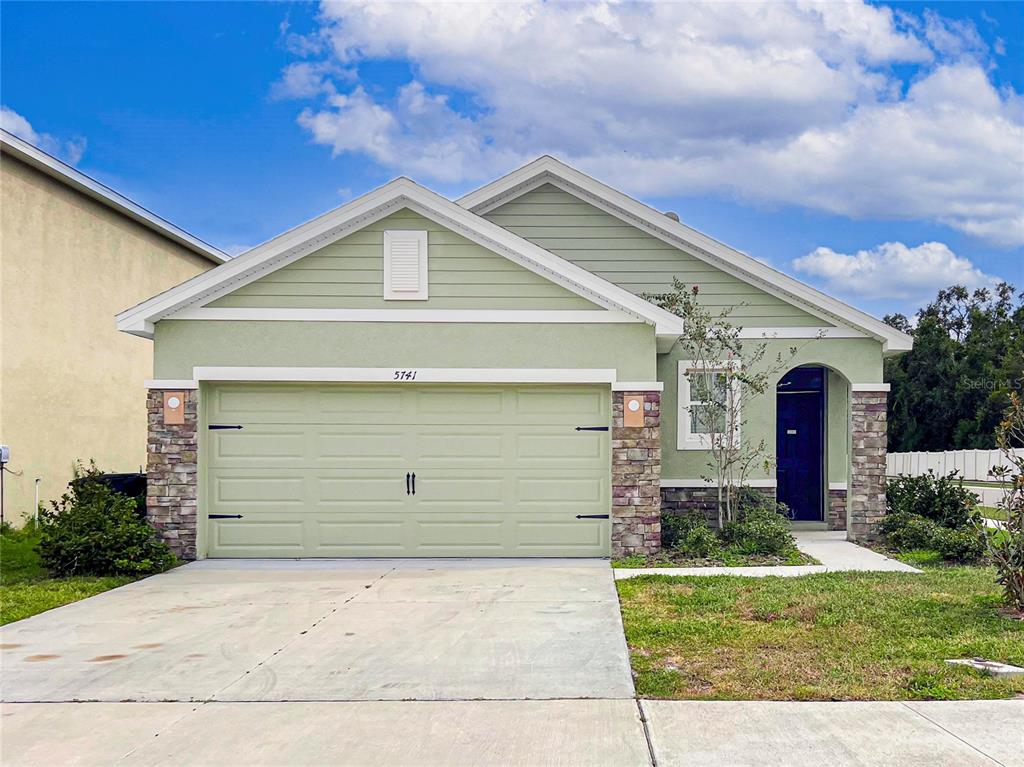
(72,254)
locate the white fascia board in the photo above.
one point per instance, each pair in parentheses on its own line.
(638,386)
(407,375)
(90,187)
(549,170)
(490,316)
(699,482)
(171,383)
(401,193)
(869,387)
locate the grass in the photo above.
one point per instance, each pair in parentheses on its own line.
(991,512)
(833,636)
(725,558)
(26,589)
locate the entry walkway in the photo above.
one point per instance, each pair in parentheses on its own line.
(831,549)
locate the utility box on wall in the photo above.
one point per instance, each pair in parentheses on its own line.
(633,411)
(174,408)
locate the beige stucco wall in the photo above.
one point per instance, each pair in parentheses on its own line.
(71,385)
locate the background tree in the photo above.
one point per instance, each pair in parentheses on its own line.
(951,390)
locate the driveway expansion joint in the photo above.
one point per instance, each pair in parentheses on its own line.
(908,706)
(338,605)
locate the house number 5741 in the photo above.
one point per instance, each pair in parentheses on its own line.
(405,375)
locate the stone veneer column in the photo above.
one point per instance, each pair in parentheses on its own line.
(172,474)
(867,479)
(636,478)
(835,514)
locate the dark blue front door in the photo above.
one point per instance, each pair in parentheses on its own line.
(799,442)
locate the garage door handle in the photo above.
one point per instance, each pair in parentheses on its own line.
(591,516)
(223,516)
(591,428)
(408,489)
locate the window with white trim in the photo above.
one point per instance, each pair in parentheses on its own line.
(405,265)
(705,402)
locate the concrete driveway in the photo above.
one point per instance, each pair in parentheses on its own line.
(331,630)
(330,661)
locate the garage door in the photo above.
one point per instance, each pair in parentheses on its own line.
(430,471)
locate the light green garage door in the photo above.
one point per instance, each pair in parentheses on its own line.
(400,470)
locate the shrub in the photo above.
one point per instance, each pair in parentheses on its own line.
(675,527)
(762,526)
(936,513)
(964,545)
(943,500)
(700,541)
(905,531)
(689,534)
(94,530)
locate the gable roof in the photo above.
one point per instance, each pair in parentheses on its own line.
(65,174)
(397,194)
(548,170)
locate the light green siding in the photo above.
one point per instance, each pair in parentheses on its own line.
(856,359)
(181,344)
(632,259)
(342,470)
(348,274)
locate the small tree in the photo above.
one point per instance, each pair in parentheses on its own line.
(725,372)
(1006,546)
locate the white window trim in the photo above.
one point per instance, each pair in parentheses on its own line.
(420,236)
(685,439)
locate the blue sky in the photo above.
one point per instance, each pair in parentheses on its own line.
(876,151)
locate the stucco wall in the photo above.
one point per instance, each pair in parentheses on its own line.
(182,344)
(71,385)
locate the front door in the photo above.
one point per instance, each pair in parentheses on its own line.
(799,442)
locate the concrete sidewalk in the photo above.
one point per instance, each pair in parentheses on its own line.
(794,734)
(837,554)
(522,732)
(831,549)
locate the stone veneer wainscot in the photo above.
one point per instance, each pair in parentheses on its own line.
(172,453)
(636,478)
(867,480)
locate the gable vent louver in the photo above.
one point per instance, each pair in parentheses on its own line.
(405,265)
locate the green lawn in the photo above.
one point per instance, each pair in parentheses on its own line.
(834,636)
(25,588)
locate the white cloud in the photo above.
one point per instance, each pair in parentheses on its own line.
(70,151)
(780,103)
(892,270)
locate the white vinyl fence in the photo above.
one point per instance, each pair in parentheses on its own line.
(973,465)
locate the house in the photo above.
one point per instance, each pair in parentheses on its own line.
(412,376)
(73,252)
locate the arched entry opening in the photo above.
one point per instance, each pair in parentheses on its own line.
(801,441)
